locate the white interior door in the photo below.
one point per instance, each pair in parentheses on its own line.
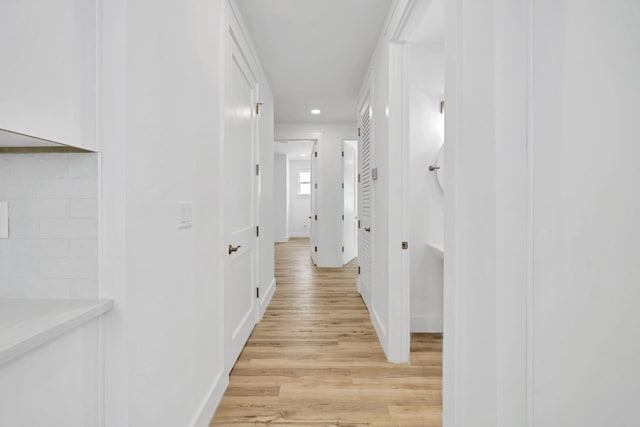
(350,201)
(365,204)
(240,204)
(313,241)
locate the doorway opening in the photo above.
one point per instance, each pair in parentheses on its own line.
(349,201)
(294,195)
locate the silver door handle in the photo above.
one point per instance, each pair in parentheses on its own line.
(233,249)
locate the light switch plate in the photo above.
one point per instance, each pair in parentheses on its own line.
(4,220)
(185,212)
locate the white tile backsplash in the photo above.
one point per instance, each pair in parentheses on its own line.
(69,228)
(17,189)
(5,170)
(83,208)
(40,208)
(68,188)
(22,228)
(38,248)
(83,249)
(52,250)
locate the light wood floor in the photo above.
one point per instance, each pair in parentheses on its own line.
(314,359)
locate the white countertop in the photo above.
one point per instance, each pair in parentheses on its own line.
(28,323)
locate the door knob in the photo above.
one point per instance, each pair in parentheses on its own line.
(233,249)
(367,229)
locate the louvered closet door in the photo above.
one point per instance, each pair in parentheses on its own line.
(365,205)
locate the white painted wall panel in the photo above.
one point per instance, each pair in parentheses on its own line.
(586,208)
(540,279)
(56,384)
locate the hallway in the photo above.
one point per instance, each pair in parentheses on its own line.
(315,359)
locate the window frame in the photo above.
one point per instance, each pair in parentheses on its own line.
(300,182)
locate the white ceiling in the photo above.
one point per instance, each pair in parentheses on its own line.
(315,53)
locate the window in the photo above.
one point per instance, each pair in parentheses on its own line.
(304,183)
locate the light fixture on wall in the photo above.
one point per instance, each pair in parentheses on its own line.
(315,111)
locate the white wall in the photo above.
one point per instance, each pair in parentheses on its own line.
(426,198)
(162,130)
(52,250)
(299,205)
(49,73)
(377,84)
(586,207)
(540,282)
(281,197)
(329,183)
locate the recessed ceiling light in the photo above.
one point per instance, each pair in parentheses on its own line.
(303,155)
(315,111)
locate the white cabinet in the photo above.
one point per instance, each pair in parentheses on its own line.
(48,76)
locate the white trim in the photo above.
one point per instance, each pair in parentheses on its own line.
(208,407)
(451,337)
(398,273)
(365,298)
(530,228)
(426,324)
(298,236)
(265,299)
(381,331)
(282,239)
(329,263)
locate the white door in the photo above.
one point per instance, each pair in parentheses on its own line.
(365,204)
(350,201)
(240,204)
(313,241)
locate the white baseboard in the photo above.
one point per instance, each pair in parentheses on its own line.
(266,298)
(299,235)
(210,404)
(380,330)
(284,239)
(329,263)
(426,323)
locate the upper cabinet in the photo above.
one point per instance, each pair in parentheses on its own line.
(48,77)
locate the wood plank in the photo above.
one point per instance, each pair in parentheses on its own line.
(315,359)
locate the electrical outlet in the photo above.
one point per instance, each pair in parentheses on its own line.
(4,220)
(185,214)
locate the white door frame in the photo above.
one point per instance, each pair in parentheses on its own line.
(317,139)
(355,184)
(314,163)
(402,22)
